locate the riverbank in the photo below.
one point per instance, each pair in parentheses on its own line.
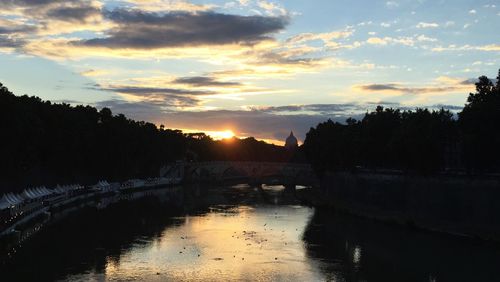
(28,226)
(459,205)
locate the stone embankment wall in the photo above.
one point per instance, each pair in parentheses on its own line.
(454,204)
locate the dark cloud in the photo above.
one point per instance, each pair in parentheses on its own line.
(62,10)
(10,34)
(469,81)
(314,108)
(200,81)
(67,101)
(144,30)
(147,91)
(447,107)
(407,90)
(346,109)
(73,14)
(6,42)
(17,29)
(380,87)
(147,111)
(385,103)
(28,3)
(472,81)
(165,97)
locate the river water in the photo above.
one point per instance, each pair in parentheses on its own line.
(245,234)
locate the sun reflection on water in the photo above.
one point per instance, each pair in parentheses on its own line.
(228,243)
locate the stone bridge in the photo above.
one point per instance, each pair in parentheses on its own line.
(251,172)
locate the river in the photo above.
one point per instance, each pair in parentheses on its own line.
(245,234)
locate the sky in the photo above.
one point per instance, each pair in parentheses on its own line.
(249,67)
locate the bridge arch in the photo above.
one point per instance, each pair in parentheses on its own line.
(253,171)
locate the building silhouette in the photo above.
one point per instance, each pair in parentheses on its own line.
(291,142)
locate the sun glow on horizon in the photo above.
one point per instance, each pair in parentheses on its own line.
(220,135)
(215,134)
(228,134)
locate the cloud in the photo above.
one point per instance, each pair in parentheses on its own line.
(169,5)
(145,30)
(154,91)
(13,34)
(6,42)
(263,60)
(473,81)
(244,42)
(423,38)
(57,16)
(47,8)
(323,109)
(284,59)
(27,3)
(180,93)
(426,25)
(94,72)
(392,87)
(449,23)
(376,41)
(441,84)
(408,41)
(379,87)
(12,27)
(147,111)
(391,4)
(325,37)
(487,48)
(74,14)
(159,96)
(200,81)
(271,8)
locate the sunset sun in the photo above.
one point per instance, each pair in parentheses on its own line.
(226,134)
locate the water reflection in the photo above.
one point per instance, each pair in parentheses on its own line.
(361,250)
(241,233)
(240,243)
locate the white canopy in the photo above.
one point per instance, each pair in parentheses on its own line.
(29,194)
(4,203)
(102,184)
(13,199)
(59,189)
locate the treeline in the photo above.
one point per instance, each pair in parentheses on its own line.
(419,141)
(45,143)
(204,148)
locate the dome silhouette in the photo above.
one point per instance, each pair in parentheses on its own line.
(291,142)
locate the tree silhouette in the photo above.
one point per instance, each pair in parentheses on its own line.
(46,144)
(479,122)
(418,141)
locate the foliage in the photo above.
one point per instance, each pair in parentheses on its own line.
(480,124)
(44,143)
(421,140)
